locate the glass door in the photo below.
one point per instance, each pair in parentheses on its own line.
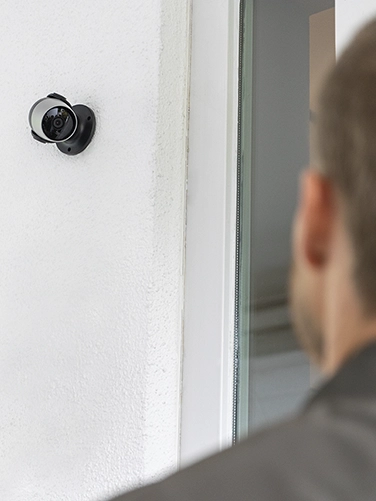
(285,49)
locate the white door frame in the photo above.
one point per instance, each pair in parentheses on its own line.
(207,388)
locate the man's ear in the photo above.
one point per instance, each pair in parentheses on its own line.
(315,219)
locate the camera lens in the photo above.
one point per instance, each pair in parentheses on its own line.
(59,123)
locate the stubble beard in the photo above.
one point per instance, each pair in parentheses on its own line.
(306,326)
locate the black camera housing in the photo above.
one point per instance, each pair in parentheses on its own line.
(53,120)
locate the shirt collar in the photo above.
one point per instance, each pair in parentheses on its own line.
(356,378)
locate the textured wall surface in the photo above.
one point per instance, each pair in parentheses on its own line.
(92,249)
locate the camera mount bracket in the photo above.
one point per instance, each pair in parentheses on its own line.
(84,132)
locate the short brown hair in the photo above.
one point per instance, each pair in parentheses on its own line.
(346,136)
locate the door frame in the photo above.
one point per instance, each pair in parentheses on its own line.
(208,355)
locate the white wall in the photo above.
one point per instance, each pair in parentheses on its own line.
(92,248)
(350,16)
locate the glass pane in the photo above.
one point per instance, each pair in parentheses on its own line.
(286,48)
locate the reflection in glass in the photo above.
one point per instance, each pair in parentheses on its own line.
(286,48)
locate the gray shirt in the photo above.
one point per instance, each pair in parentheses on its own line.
(326,453)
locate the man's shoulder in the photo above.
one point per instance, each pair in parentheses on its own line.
(328,452)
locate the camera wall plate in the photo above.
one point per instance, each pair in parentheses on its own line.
(84,132)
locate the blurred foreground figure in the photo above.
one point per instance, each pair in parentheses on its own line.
(328,451)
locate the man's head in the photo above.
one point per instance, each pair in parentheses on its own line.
(333,285)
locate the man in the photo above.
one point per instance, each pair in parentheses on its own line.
(328,451)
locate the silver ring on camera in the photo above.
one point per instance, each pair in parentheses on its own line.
(39,110)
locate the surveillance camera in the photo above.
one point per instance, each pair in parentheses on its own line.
(53,120)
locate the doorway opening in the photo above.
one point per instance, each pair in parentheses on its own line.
(286,49)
